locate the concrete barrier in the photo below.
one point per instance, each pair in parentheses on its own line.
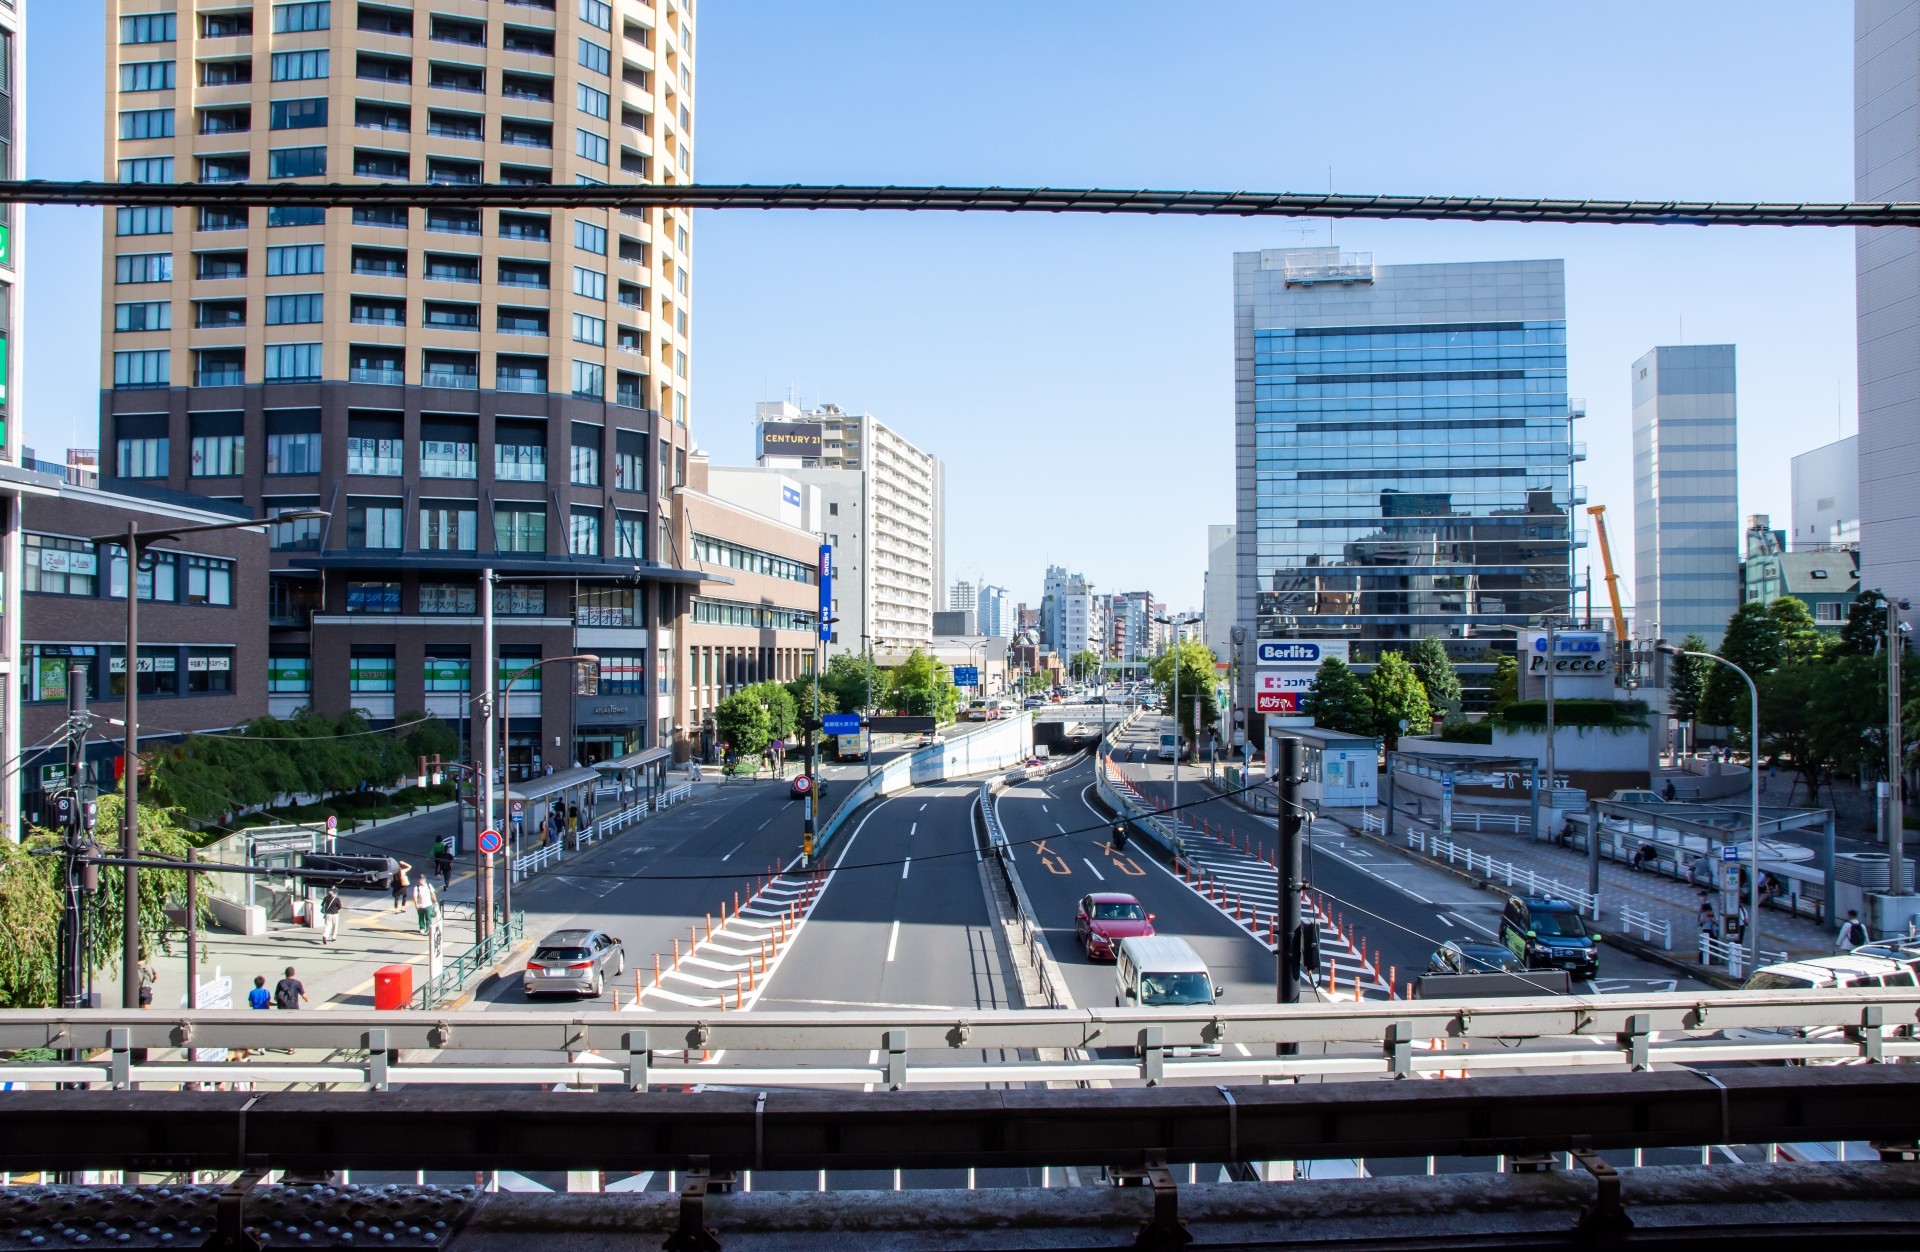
(1001,745)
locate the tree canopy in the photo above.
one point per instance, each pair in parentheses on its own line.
(849,676)
(1434,668)
(1084,663)
(1397,696)
(743,723)
(1196,668)
(922,687)
(1338,700)
(1752,642)
(1506,681)
(1687,678)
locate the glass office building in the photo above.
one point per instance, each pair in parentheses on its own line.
(1405,452)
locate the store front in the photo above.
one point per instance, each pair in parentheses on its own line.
(607,726)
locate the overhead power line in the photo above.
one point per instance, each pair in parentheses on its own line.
(975,200)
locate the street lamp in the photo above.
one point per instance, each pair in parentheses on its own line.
(1753,796)
(135,539)
(1896,817)
(506,774)
(1173,649)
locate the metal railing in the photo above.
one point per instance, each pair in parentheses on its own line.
(1632,920)
(1444,849)
(527,864)
(1732,953)
(453,977)
(1352,1040)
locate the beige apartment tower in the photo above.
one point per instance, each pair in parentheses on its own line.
(459,388)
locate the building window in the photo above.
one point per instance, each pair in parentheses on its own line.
(589,329)
(592,101)
(305,15)
(143,220)
(448,458)
(227,74)
(370,673)
(521,667)
(520,599)
(146,124)
(583,532)
(296,162)
(223,219)
(146,76)
(56,566)
(306,114)
(373,597)
(151,368)
(158,575)
(379,311)
(209,580)
(584,471)
(630,536)
(143,267)
(590,238)
(595,13)
(593,56)
(448,674)
(519,528)
(623,674)
(589,283)
(290,675)
(209,671)
(374,524)
(374,444)
(758,616)
(630,460)
(145,315)
(300,536)
(159,673)
(293,441)
(296,66)
(293,362)
(300,258)
(217,456)
(452,599)
(296,215)
(710,551)
(145,170)
(607,606)
(294,310)
(220,265)
(148,28)
(589,379)
(590,146)
(448,526)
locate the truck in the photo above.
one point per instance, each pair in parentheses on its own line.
(854,747)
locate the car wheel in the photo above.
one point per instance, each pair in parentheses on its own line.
(619,963)
(599,985)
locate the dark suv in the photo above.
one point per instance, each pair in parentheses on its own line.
(1550,934)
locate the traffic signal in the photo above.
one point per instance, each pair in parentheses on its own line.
(89,813)
(1119,836)
(66,811)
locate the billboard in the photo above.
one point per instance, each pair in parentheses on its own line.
(791,438)
(1308,652)
(1276,701)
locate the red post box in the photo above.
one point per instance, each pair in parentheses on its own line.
(393,986)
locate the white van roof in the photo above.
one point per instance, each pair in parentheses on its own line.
(1162,954)
(1826,971)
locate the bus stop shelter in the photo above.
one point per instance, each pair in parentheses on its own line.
(526,804)
(1448,771)
(637,775)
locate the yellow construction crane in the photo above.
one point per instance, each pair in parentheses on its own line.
(1599,514)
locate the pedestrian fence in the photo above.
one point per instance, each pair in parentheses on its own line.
(527,864)
(1732,954)
(1633,921)
(454,975)
(1441,848)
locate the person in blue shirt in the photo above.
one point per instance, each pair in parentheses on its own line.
(259,997)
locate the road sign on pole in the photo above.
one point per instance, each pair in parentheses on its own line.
(333,824)
(803,783)
(966,675)
(840,724)
(489,841)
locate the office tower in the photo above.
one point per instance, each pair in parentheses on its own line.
(884,516)
(1886,166)
(1053,608)
(14,482)
(1686,493)
(1220,600)
(992,606)
(458,388)
(1404,451)
(1826,496)
(1132,626)
(963,595)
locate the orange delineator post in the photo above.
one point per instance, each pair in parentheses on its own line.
(676,954)
(656,970)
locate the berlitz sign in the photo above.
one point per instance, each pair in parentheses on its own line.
(1300,651)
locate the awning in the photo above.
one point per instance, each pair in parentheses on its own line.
(634,760)
(553,784)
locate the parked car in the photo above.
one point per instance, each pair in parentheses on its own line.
(1468,956)
(1105,918)
(1548,933)
(574,961)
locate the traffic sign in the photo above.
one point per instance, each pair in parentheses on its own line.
(333,824)
(966,675)
(1729,851)
(489,841)
(841,723)
(803,783)
(519,807)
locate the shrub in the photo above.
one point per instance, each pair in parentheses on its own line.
(1604,714)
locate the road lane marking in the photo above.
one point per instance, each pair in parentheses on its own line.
(1096,873)
(923,808)
(893,940)
(913,830)
(736,848)
(1466,921)
(1044,809)
(905,866)
(1055,863)
(767,823)
(1062,829)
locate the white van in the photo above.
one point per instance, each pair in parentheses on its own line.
(1850,969)
(1161,971)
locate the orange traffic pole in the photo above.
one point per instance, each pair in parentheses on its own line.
(709,925)
(736,989)
(676,954)
(656,971)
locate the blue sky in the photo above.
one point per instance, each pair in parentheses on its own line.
(1075,372)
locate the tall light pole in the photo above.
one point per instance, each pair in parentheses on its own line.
(506,775)
(134,540)
(1173,649)
(1753,798)
(1898,882)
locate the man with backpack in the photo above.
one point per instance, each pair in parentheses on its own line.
(330,915)
(443,863)
(289,991)
(1853,933)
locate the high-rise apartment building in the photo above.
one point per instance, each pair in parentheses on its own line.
(1886,166)
(1404,451)
(885,516)
(1053,607)
(1826,496)
(963,595)
(458,388)
(15,481)
(1686,493)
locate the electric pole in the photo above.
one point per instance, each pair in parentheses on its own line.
(73,808)
(1291,933)
(1897,880)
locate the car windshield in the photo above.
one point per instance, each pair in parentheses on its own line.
(1486,959)
(1119,913)
(1176,989)
(1558,924)
(560,954)
(1764,981)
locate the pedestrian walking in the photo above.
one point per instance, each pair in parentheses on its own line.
(1706,917)
(148,977)
(289,991)
(397,884)
(423,902)
(1853,933)
(1913,927)
(259,997)
(1741,920)
(1667,792)
(330,915)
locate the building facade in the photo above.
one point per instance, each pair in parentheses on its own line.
(1220,598)
(1886,166)
(1826,496)
(962,595)
(1686,493)
(1826,580)
(996,617)
(885,517)
(1404,452)
(17,484)
(460,389)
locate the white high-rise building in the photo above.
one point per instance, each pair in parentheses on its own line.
(885,512)
(1826,496)
(963,595)
(995,619)
(1221,598)
(1686,493)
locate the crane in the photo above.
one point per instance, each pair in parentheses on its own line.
(1599,514)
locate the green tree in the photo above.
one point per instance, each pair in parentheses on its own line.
(1866,630)
(848,676)
(744,724)
(802,691)
(1338,700)
(1196,667)
(30,904)
(1752,642)
(783,714)
(1801,642)
(922,687)
(1084,664)
(1506,681)
(1397,696)
(1687,678)
(1434,668)
(430,738)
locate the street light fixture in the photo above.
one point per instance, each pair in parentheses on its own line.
(135,539)
(1173,648)
(1753,797)
(506,775)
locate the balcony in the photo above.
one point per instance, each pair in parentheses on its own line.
(220,376)
(527,386)
(1306,267)
(1579,450)
(456,379)
(377,375)
(628,398)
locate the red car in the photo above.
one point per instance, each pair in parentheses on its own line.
(1107,917)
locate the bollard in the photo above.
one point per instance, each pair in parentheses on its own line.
(709,926)
(676,954)
(736,988)
(656,971)
(1393,980)
(616,999)
(1273,931)
(763,955)
(736,904)
(749,972)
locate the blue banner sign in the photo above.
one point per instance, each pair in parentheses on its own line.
(966,675)
(826,593)
(1290,652)
(840,724)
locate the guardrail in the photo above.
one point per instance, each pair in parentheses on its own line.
(1037,955)
(1002,743)
(1632,919)
(1732,954)
(453,977)
(1444,849)
(527,864)
(1361,1039)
